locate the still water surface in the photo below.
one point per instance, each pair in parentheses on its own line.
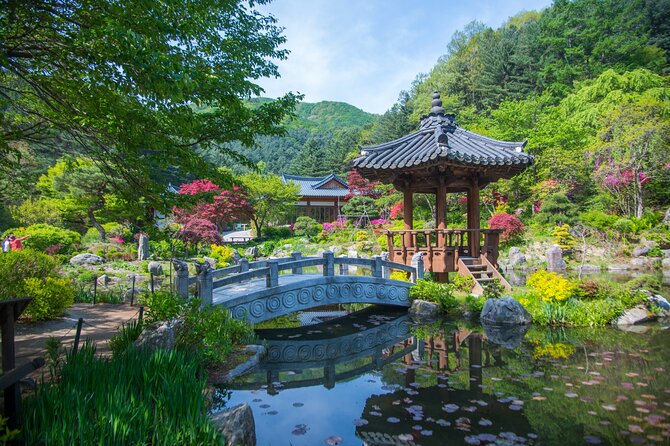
(375,378)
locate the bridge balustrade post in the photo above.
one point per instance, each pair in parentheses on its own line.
(181,278)
(377,266)
(386,271)
(272,278)
(296,255)
(329,265)
(205,282)
(417,263)
(344,267)
(244,265)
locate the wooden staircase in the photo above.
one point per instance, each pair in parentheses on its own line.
(482,272)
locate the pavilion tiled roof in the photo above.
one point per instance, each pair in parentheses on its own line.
(314,186)
(440,140)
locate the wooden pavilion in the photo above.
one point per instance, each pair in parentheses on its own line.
(442,158)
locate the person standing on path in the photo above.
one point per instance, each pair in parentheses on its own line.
(6,244)
(15,244)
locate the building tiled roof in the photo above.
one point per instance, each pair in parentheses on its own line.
(314,186)
(440,140)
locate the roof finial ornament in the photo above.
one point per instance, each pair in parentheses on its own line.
(437,105)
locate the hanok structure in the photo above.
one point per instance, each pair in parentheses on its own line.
(442,158)
(320,197)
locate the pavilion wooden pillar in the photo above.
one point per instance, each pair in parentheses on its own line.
(441,211)
(408,208)
(473,217)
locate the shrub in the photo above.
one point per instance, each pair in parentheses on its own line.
(43,237)
(475,303)
(126,336)
(556,210)
(162,306)
(162,249)
(511,226)
(563,238)
(623,226)
(598,219)
(550,287)
(210,333)
(361,236)
(493,290)
(649,282)
(439,293)
(306,227)
(137,397)
(462,283)
(223,254)
(198,230)
(16,266)
(276,232)
(113,231)
(51,296)
(400,275)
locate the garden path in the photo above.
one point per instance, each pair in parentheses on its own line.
(100,324)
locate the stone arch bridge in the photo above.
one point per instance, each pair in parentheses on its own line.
(266,289)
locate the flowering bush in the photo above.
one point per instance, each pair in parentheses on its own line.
(379,222)
(397,210)
(550,287)
(116,239)
(223,254)
(510,225)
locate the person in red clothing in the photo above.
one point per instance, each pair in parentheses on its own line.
(15,242)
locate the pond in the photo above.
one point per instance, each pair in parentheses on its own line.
(375,378)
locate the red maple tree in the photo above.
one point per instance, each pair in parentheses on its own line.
(359,186)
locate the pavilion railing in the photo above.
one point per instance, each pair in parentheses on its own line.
(442,247)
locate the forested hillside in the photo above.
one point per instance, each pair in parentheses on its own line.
(317,140)
(584,81)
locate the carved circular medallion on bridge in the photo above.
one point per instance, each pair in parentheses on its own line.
(257,308)
(274,304)
(345,291)
(370,291)
(393,293)
(289,300)
(332,292)
(319,351)
(305,353)
(319,293)
(290,353)
(358,291)
(239,312)
(274,353)
(304,296)
(381,292)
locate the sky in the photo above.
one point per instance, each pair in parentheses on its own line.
(365,52)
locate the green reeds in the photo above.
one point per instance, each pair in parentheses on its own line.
(137,397)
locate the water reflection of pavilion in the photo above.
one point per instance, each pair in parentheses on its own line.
(467,408)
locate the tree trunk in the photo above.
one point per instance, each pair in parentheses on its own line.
(257,225)
(96,224)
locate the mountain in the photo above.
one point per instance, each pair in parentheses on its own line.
(317,141)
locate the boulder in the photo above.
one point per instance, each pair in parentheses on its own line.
(86,259)
(659,301)
(641,250)
(352,253)
(587,268)
(211,260)
(504,311)
(104,280)
(424,311)
(129,296)
(666,218)
(237,425)
(507,336)
(143,247)
(236,257)
(635,315)
(619,267)
(555,260)
(639,263)
(155,269)
(516,257)
(335,249)
(259,352)
(251,251)
(160,335)
(666,263)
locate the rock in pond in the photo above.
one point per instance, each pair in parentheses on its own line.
(504,311)
(516,257)
(86,259)
(640,251)
(635,315)
(237,425)
(155,268)
(422,310)
(160,335)
(555,260)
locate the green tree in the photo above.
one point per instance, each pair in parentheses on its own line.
(269,198)
(136,85)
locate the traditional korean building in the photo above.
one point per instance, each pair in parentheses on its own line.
(442,158)
(320,197)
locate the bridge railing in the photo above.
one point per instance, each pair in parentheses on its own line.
(208,279)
